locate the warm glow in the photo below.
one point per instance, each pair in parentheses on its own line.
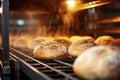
(71,4)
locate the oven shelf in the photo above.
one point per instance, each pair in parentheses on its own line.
(43,69)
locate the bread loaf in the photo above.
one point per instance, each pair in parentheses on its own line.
(104,40)
(76,48)
(98,63)
(21,43)
(50,50)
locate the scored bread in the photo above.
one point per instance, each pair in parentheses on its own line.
(104,40)
(50,50)
(76,48)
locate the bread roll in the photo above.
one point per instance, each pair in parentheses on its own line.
(63,40)
(98,63)
(20,43)
(104,40)
(79,46)
(50,50)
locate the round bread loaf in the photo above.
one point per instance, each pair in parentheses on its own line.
(50,50)
(20,43)
(104,40)
(98,63)
(79,46)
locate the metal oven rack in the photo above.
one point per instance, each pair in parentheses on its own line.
(43,69)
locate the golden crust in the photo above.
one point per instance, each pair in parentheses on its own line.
(50,50)
(79,46)
(104,40)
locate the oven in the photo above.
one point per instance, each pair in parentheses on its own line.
(51,18)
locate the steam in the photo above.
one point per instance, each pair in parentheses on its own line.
(46,24)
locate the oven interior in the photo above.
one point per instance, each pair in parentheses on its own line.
(54,18)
